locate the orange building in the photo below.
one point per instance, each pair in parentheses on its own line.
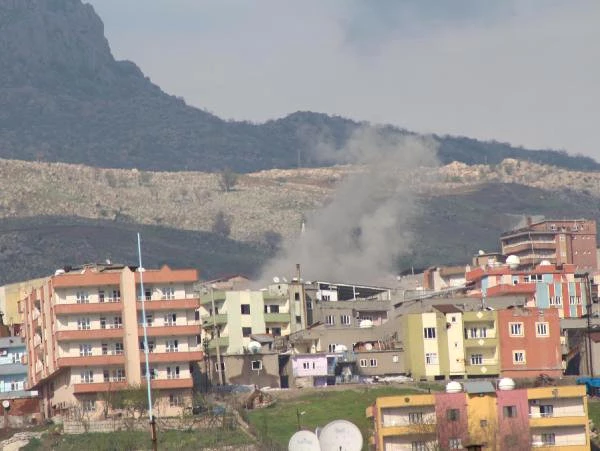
(84,336)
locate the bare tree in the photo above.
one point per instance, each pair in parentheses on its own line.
(221,224)
(227,180)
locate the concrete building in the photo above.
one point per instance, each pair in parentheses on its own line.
(476,416)
(530,342)
(445,277)
(84,335)
(545,286)
(260,369)
(13,370)
(570,241)
(11,295)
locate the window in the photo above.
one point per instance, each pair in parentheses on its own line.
(256,364)
(170,319)
(345,320)
(454,443)
(516,329)
(83,323)
(106,375)
(541,329)
(85,350)
(149,320)
(415,417)
(115,296)
(196,315)
(148,294)
(104,348)
(274,309)
(276,331)
(533,278)
(429,332)
(82,297)
(220,368)
(548,438)
(309,304)
(87,376)
(305,365)
(326,297)
(245,308)
(152,372)
(363,363)
(102,323)
(547,410)
(431,358)
(452,414)
(119,375)
(509,411)
(198,340)
(519,357)
(172,346)
(298,319)
(175,400)
(476,332)
(555,300)
(117,322)
(88,405)
(329,320)
(483,423)
(100,295)
(373,363)
(476,359)
(419,446)
(173,372)
(168,293)
(247,331)
(119,348)
(296,296)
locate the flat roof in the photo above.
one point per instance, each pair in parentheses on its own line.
(479,387)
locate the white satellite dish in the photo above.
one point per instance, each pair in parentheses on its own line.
(304,441)
(276,279)
(254,347)
(341,434)
(368,346)
(285,280)
(365,323)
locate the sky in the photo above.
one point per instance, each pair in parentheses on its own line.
(520,71)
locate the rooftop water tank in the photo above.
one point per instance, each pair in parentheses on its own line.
(453,387)
(506,383)
(513,261)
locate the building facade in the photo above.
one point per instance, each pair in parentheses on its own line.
(84,333)
(545,286)
(530,342)
(478,416)
(557,241)
(13,370)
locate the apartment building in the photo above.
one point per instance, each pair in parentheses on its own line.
(530,342)
(84,336)
(479,416)
(545,286)
(447,342)
(13,370)
(570,241)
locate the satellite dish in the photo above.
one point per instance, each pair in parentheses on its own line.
(513,261)
(6,403)
(481,252)
(304,441)
(365,323)
(368,346)
(285,280)
(341,434)
(276,279)
(254,347)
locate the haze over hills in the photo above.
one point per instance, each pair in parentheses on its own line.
(66,100)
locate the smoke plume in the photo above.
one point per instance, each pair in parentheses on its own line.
(367,225)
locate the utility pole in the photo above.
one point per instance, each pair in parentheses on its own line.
(217,344)
(588,290)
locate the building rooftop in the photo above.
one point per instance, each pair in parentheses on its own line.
(447,308)
(479,387)
(12,342)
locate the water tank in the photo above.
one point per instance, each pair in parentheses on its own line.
(453,387)
(58,272)
(545,263)
(506,383)
(365,323)
(254,347)
(513,261)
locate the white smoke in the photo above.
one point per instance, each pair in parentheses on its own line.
(359,235)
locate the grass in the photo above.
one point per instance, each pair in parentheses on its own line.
(280,421)
(139,440)
(594,412)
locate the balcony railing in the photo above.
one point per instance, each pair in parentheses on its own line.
(555,414)
(482,362)
(559,442)
(277,317)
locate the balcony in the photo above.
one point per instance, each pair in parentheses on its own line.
(96,307)
(220,319)
(158,384)
(91,360)
(174,304)
(222,342)
(556,419)
(219,296)
(170,331)
(187,356)
(487,367)
(98,387)
(277,317)
(89,334)
(487,342)
(409,429)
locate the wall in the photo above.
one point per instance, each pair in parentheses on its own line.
(238,369)
(514,433)
(389,362)
(482,419)
(317,365)
(455,344)
(447,428)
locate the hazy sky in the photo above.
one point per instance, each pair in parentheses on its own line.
(522,71)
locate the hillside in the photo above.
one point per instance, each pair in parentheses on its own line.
(65,98)
(53,214)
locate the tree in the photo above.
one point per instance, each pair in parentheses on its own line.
(222,224)
(227,180)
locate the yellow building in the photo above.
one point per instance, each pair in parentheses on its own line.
(10,296)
